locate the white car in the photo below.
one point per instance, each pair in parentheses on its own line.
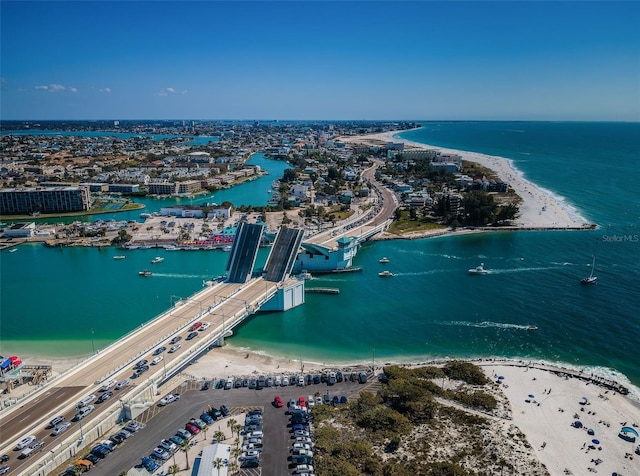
(205,325)
(121,384)
(157,360)
(252,454)
(285,381)
(169,399)
(301,381)
(169,446)
(310,401)
(318,400)
(83,412)
(26,441)
(301,446)
(161,453)
(108,385)
(304,468)
(60,428)
(86,400)
(174,348)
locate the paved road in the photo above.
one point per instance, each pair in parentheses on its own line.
(61,395)
(165,421)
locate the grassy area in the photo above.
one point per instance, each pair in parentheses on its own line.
(405,225)
(96,211)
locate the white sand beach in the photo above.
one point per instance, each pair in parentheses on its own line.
(545,419)
(539,208)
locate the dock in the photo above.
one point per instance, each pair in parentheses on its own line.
(322,290)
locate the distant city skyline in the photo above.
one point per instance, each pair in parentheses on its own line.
(322,60)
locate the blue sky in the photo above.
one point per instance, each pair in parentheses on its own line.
(320,60)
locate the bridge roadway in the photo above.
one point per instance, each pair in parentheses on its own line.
(355,226)
(222,305)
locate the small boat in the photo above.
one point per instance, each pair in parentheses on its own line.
(145,273)
(591,279)
(119,257)
(531,327)
(226,248)
(157,259)
(305,275)
(384,260)
(386,274)
(13,250)
(479,270)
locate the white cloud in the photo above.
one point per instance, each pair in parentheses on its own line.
(167,91)
(105,90)
(73,90)
(52,88)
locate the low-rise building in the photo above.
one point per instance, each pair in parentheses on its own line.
(20,230)
(163,188)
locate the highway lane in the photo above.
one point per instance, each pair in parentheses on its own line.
(77,384)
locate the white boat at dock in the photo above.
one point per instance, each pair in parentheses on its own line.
(479,270)
(157,259)
(13,250)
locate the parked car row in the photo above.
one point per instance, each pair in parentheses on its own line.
(263,381)
(168,446)
(252,440)
(103,449)
(303,443)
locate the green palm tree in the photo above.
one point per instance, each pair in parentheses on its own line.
(217,464)
(233,467)
(219,435)
(231,423)
(184,446)
(174,469)
(235,452)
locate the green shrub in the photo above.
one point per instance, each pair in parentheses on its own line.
(465,371)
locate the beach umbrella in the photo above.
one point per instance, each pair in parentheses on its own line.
(13,358)
(595,442)
(501,377)
(532,396)
(585,398)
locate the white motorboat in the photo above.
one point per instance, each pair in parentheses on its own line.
(479,269)
(386,274)
(119,257)
(384,260)
(157,259)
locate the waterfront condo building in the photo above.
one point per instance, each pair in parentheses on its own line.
(20,201)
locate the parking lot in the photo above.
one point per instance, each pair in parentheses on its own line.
(163,421)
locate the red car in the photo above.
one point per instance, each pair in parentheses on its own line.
(194,430)
(196,326)
(301,402)
(278,402)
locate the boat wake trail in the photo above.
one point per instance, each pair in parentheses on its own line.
(499,325)
(521,270)
(176,275)
(422,273)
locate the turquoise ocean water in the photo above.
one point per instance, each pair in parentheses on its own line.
(54,302)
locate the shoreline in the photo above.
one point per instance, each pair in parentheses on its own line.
(238,359)
(541,209)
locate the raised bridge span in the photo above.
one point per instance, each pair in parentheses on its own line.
(222,305)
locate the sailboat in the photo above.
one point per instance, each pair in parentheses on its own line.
(591,279)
